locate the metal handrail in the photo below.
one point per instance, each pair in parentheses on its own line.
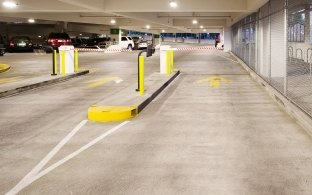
(301,53)
(309,62)
(290,51)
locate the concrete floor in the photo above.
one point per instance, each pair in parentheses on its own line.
(193,139)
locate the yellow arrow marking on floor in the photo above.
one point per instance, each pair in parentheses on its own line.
(215,81)
(10,79)
(103,81)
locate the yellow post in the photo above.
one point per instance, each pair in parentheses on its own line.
(55,61)
(63,63)
(172,61)
(76,60)
(168,62)
(141,66)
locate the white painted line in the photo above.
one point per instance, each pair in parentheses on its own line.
(227,58)
(25,181)
(67,158)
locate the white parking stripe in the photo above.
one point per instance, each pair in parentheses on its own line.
(25,181)
(34,176)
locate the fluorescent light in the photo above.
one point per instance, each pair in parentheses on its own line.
(148,26)
(163,31)
(113,21)
(173,4)
(39,36)
(195,21)
(201,26)
(30,20)
(9,4)
(80,34)
(204,30)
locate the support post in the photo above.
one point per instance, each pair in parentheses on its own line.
(168,66)
(172,61)
(63,63)
(138,89)
(54,63)
(141,65)
(76,60)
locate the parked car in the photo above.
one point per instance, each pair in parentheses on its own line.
(55,40)
(126,42)
(76,42)
(142,44)
(102,43)
(2,46)
(20,43)
(136,41)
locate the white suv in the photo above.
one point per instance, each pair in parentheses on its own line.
(126,42)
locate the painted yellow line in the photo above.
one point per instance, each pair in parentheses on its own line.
(111,113)
(4,67)
(215,82)
(10,79)
(103,81)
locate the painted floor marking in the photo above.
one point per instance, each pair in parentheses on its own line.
(35,174)
(214,81)
(227,58)
(103,81)
(25,181)
(10,79)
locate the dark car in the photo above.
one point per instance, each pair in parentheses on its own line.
(20,43)
(98,42)
(55,40)
(2,48)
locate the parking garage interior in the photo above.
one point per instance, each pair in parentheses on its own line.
(159,97)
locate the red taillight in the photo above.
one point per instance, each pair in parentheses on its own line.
(52,40)
(11,44)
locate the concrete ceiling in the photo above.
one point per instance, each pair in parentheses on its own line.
(136,14)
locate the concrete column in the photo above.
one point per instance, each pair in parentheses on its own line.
(307,30)
(115,34)
(61,26)
(227,39)
(156,39)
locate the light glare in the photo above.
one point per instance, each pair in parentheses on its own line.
(9,4)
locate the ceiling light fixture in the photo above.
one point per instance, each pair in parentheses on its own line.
(201,26)
(113,21)
(9,4)
(30,20)
(173,4)
(204,30)
(163,31)
(148,26)
(80,34)
(194,21)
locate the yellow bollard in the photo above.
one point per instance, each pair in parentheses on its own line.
(168,62)
(63,63)
(54,63)
(141,66)
(172,61)
(76,60)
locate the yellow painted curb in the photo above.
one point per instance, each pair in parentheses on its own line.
(111,113)
(4,67)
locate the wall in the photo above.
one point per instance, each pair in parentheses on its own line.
(263,40)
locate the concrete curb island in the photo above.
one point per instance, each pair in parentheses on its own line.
(25,88)
(127,103)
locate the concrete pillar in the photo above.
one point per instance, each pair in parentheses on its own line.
(307,30)
(61,26)
(115,34)
(227,39)
(156,39)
